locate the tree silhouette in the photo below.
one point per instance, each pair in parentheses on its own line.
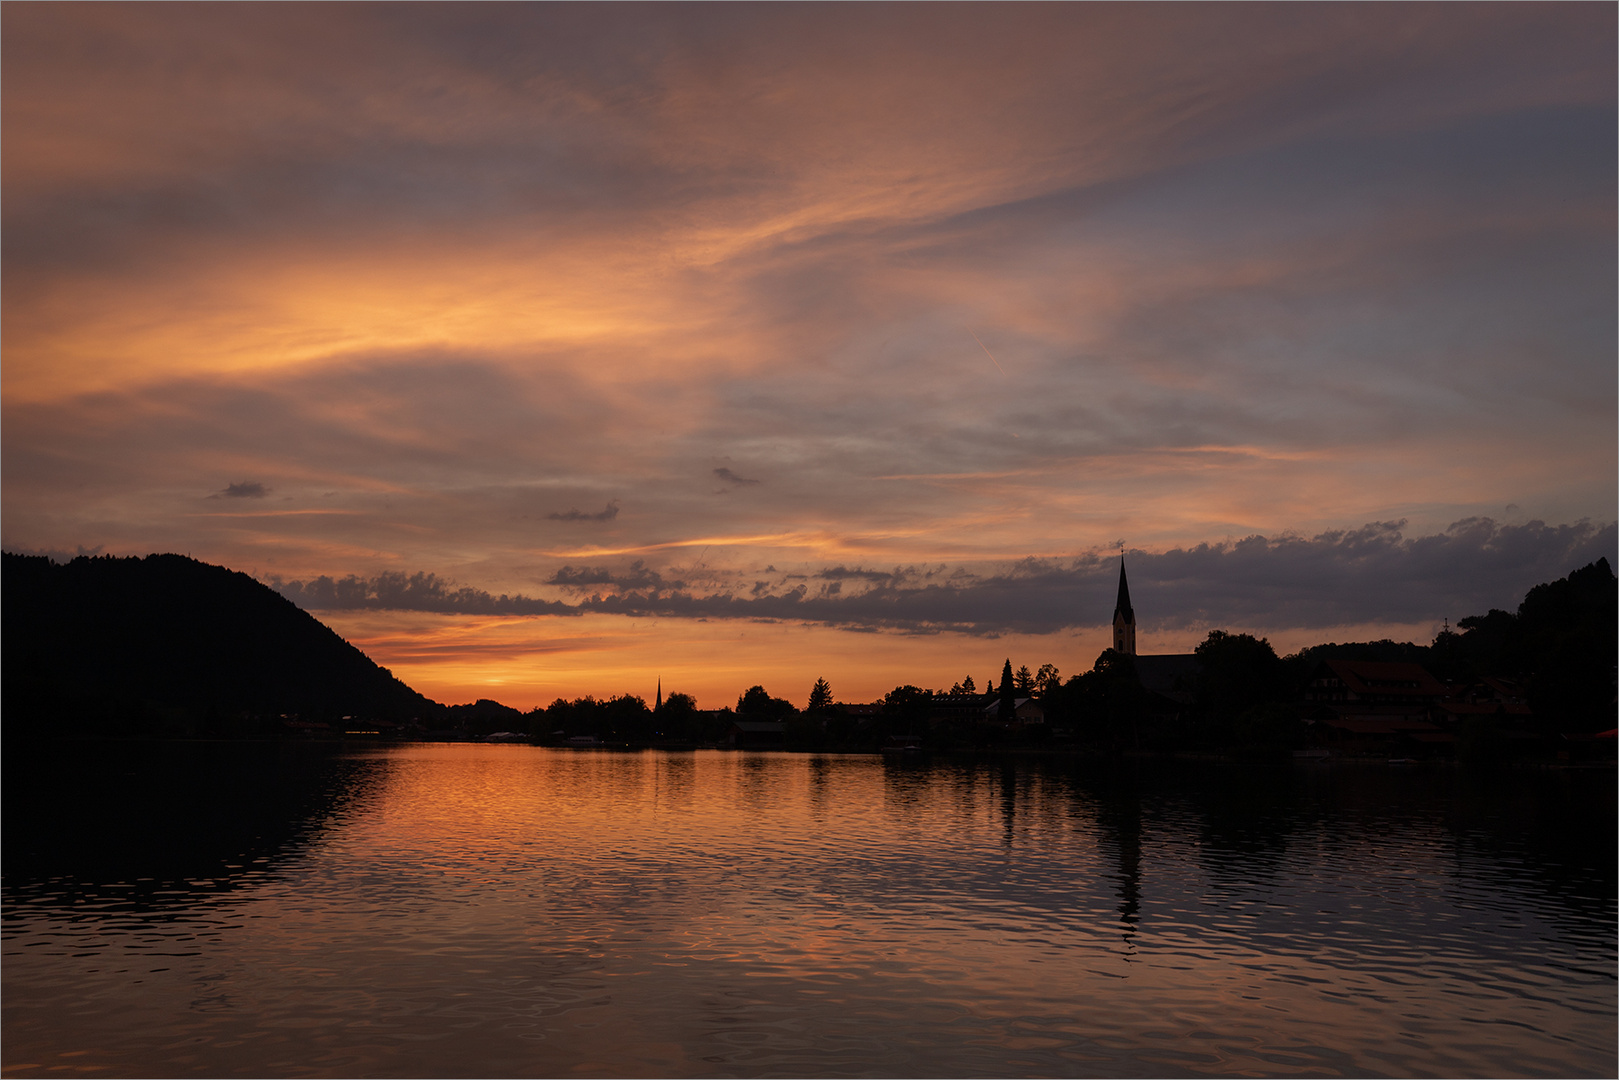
(820,699)
(757,704)
(1565,639)
(1238,672)
(906,709)
(1023,681)
(678,717)
(1008,697)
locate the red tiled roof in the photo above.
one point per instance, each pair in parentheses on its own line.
(1482,708)
(1377,725)
(1503,687)
(1369,678)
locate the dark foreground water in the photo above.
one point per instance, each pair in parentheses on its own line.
(509,911)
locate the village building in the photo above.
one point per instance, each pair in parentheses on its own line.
(1375,706)
(1024,711)
(958,707)
(756,734)
(1490,708)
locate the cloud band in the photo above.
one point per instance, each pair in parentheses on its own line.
(1367,575)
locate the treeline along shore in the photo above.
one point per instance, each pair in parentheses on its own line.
(168,647)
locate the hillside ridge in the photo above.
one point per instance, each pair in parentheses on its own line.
(166,644)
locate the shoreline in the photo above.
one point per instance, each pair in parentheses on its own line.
(1212,757)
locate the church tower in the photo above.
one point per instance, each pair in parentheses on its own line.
(1124,616)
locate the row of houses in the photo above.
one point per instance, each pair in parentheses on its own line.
(1347,707)
(1362,705)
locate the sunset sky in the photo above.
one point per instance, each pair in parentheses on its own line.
(550,350)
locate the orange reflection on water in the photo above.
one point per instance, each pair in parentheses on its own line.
(536,912)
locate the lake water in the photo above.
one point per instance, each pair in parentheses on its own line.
(460,910)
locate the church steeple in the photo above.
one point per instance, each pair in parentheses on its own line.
(1124,616)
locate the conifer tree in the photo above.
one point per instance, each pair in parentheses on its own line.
(820,699)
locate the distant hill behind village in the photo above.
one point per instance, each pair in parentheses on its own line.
(169,645)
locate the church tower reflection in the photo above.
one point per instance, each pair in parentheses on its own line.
(1118,820)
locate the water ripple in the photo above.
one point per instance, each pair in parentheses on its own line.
(462,910)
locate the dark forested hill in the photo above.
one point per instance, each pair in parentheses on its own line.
(169,645)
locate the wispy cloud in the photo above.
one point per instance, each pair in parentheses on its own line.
(246,490)
(606,514)
(636,576)
(581,577)
(732,478)
(408,592)
(840,573)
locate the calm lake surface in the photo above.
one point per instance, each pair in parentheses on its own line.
(459,910)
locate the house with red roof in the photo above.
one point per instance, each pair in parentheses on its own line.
(1377,706)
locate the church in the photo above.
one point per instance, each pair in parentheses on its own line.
(1171,675)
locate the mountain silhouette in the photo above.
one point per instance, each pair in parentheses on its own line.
(167,645)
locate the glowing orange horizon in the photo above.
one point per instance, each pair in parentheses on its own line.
(528,662)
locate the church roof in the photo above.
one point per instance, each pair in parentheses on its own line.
(1123,606)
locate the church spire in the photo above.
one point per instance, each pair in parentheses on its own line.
(1123,606)
(1124,616)
(658,707)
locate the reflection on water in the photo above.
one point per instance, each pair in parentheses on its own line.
(507,910)
(143,821)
